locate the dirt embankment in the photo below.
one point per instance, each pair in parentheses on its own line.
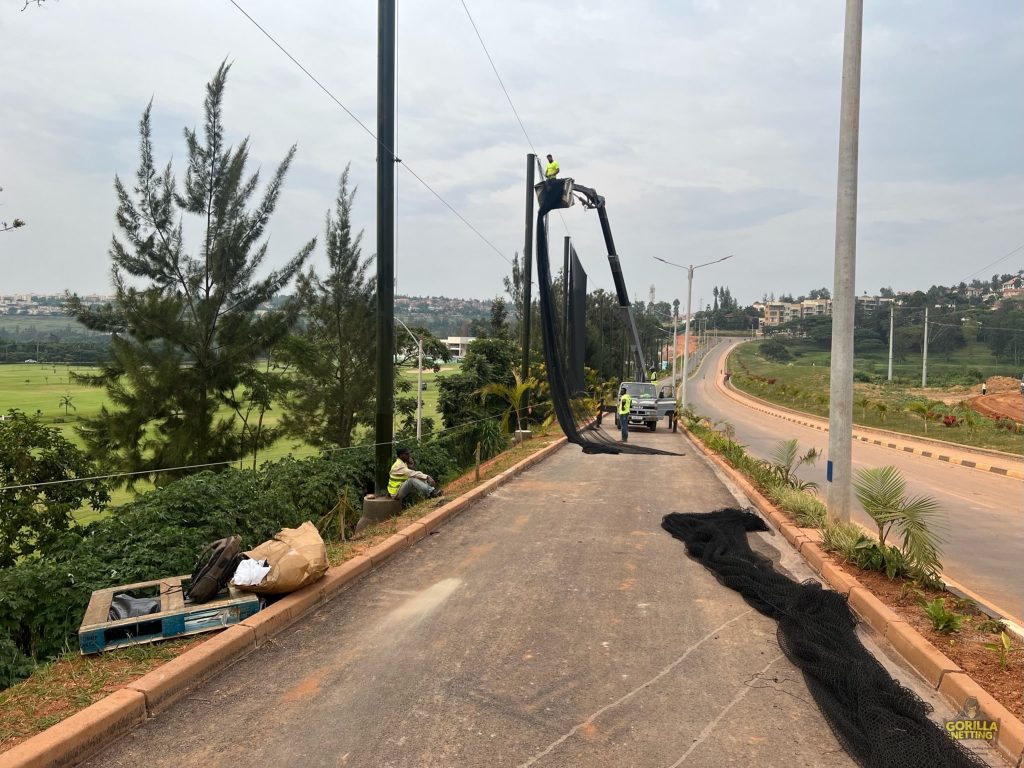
(1003,399)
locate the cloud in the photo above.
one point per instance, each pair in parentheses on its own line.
(711,128)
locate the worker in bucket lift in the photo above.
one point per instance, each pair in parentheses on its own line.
(552,170)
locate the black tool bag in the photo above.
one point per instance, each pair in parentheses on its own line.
(214,568)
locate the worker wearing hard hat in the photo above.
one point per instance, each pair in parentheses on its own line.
(552,170)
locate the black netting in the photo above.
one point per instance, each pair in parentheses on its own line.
(571,413)
(879,722)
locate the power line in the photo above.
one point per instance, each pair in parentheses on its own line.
(207,465)
(515,112)
(989,266)
(361,124)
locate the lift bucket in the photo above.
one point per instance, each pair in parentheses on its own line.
(556,193)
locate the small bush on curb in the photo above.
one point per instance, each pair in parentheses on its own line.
(807,509)
(943,621)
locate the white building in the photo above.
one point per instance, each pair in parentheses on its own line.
(458,345)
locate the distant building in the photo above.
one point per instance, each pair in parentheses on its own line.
(1013,287)
(458,345)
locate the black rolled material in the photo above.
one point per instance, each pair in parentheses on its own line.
(879,722)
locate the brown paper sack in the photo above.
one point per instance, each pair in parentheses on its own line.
(296,556)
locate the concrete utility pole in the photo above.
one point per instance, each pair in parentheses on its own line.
(924,358)
(675,348)
(385,413)
(524,369)
(892,323)
(840,422)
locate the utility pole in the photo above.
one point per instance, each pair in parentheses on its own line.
(675,350)
(385,416)
(524,369)
(924,359)
(840,423)
(892,323)
(565,298)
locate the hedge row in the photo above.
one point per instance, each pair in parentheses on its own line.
(43,598)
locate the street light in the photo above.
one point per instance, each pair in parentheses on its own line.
(686,334)
(419,380)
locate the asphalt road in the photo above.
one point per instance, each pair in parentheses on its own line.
(553,624)
(984,512)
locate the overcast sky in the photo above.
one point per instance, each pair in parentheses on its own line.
(710,126)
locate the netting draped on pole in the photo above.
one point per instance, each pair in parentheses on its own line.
(572,413)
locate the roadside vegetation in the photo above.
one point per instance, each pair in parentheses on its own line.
(900,561)
(799,379)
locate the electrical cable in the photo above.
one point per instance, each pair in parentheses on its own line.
(381,146)
(227,462)
(515,112)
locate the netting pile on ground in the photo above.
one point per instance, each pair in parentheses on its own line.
(573,415)
(879,722)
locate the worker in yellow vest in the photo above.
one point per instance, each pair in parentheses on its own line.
(625,403)
(403,479)
(552,170)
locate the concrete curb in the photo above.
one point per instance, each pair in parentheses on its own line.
(75,739)
(893,440)
(941,672)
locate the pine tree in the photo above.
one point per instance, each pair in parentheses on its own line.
(186,331)
(333,356)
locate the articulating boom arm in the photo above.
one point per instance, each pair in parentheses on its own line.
(591,199)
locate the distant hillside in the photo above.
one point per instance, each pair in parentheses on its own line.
(441,315)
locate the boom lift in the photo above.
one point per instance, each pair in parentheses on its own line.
(562,193)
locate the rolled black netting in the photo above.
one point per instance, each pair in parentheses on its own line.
(879,722)
(571,413)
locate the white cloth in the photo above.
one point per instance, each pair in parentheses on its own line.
(250,573)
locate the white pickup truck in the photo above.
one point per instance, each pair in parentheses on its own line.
(647,407)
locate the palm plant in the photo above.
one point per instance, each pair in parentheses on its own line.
(513,396)
(882,492)
(922,410)
(786,460)
(863,401)
(65,403)
(882,408)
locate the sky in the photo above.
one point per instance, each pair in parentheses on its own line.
(710,126)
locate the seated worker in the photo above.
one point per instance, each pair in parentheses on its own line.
(404,479)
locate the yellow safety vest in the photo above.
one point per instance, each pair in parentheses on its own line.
(624,404)
(552,170)
(395,481)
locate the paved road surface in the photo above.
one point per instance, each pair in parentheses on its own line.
(553,624)
(985,512)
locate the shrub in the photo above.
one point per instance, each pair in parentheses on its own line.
(943,621)
(42,599)
(776,351)
(843,539)
(882,493)
(806,508)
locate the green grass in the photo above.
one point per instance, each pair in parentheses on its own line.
(803,385)
(37,389)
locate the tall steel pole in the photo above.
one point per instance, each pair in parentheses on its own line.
(924,358)
(840,423)
(524,369)
(686,337)
(675,349)
(565,298)
(385,419)
(892,323)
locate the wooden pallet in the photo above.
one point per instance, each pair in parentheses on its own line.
(178,617)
